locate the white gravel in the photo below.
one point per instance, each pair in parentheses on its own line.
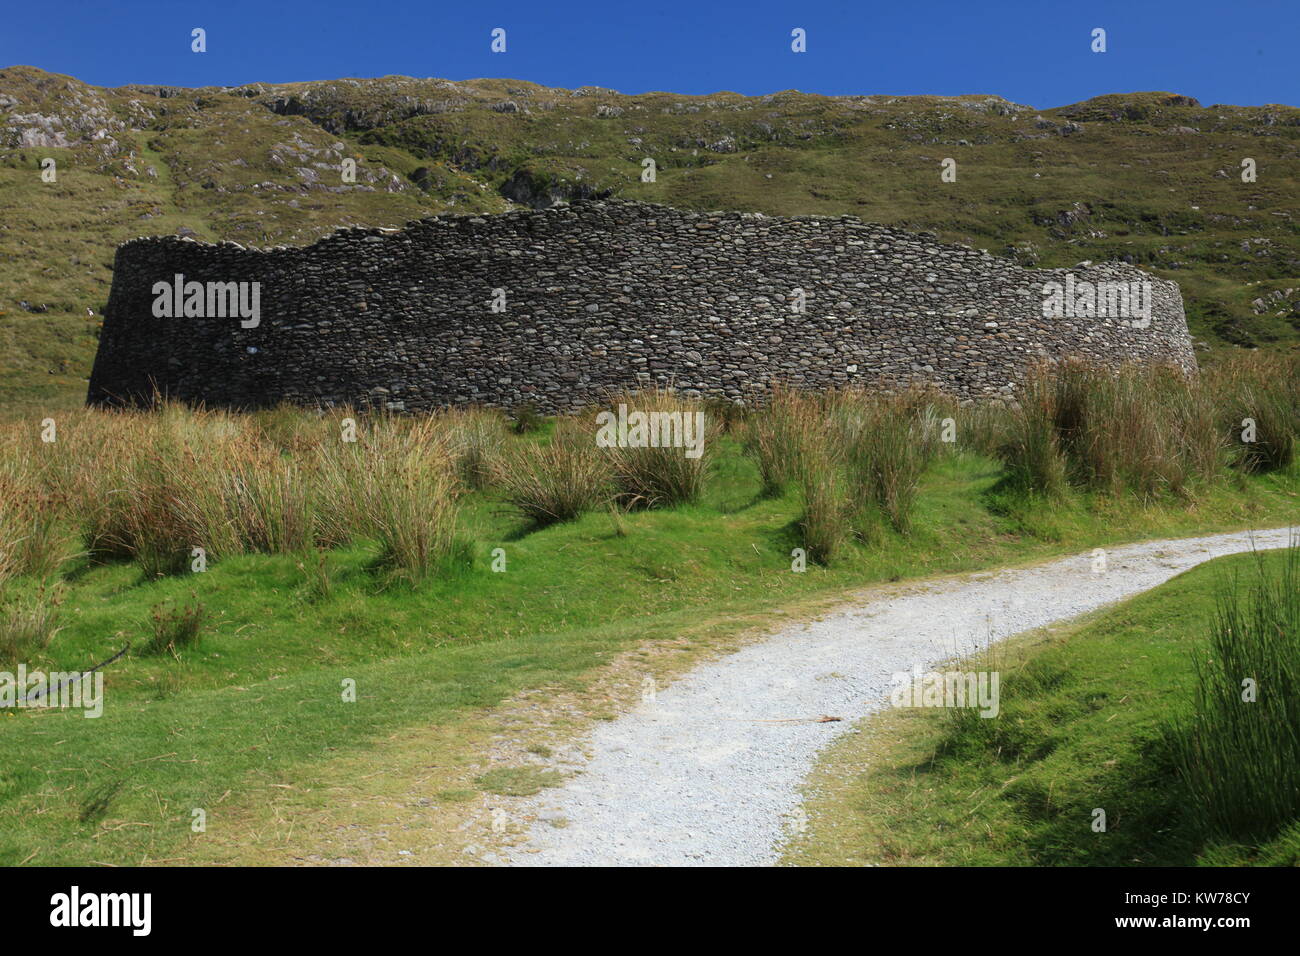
(708,774)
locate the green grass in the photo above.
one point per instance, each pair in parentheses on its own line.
(1089,720)
(258,701)
(1147,194)
(1239,754)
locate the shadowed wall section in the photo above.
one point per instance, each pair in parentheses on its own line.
(600,295)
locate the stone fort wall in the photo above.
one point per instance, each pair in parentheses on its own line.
(601,295)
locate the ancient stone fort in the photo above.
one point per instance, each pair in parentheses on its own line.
(558,307)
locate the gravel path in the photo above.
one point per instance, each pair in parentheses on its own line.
(708,773)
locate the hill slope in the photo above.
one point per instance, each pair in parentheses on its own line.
(1151,178)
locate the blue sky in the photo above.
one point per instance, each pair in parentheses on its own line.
(1226,51)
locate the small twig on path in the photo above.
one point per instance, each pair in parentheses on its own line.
(785,720)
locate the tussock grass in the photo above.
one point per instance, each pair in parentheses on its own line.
(1141,432)
(1239,751)
(477,439)
(269,501)
(856,458)
(317,574)
(525,419)
(173,629)
(1031,449)
(1147,431)
(794,443)
(1260,408)
(775,435)
(284,626)
(174,492)
(151,487)
(888,440)
(36,538)
(660,473)
(559,479)
(396,484)
(29,620)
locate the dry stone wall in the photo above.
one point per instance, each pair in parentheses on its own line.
(600,295)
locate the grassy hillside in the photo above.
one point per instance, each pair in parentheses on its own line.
(1152,178)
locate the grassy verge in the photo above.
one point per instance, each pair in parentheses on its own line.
(367,607)
(258,701)
(1095,715)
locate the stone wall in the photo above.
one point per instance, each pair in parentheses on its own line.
(600,295)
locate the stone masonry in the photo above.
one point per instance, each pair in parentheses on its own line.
(601,295)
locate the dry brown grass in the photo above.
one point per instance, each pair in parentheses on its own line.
(1148,431)
(559,479)
(662,475)
(153,486)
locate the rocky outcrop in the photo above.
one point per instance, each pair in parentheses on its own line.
(539,191)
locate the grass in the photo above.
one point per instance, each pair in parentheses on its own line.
(397,482)
(1135,188)
(888,441)
(557,479)
(394,589)
(517,781)
(1135,710)
(28,622)
(650,470)
(1151,432)
(174,629)
(1239,751)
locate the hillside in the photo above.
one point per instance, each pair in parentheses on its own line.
(1150,178)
